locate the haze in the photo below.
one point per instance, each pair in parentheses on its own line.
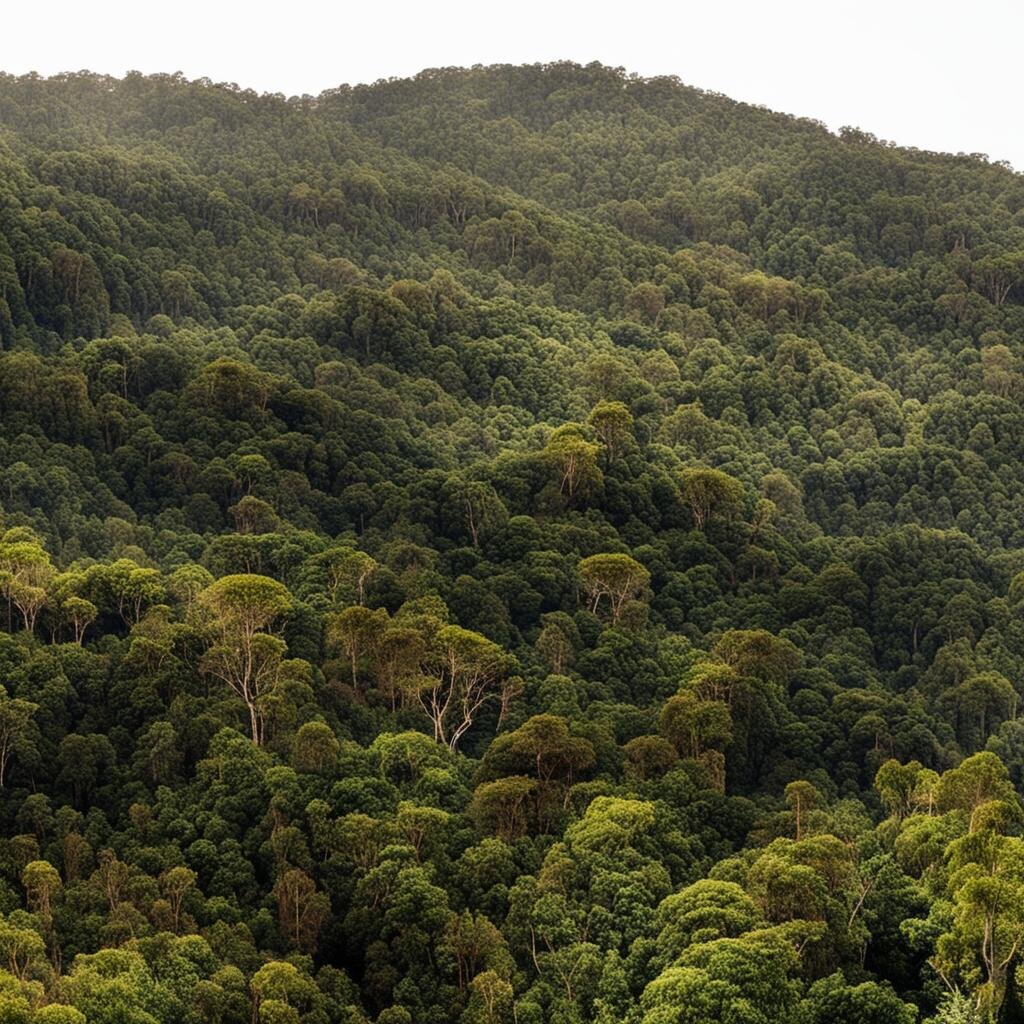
(930,75)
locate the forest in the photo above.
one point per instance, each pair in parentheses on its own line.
(515,545)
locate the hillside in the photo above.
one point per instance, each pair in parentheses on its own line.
(517,544)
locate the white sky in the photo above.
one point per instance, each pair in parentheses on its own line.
(935,74)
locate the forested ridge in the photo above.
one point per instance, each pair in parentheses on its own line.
(516,545)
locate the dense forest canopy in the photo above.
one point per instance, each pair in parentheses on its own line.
(517,545)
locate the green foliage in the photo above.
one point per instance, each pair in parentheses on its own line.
(518,545)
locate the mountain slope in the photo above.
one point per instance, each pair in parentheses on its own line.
(516,543)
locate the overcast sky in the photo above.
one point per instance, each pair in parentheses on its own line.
(927,73)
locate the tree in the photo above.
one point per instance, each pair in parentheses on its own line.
(611,825)
(25,574)
(253,515)
(15,720)
(612,422)
(999,369)
(316,748)
(616,577)
(707,491)
(979,704)
(997,275)
(83,759)
(706,910)
(186,583)
(504,807)
(58,1013)
(544,747)
(346,571)
(42,885)
(301,910)
(986,886)
(573,459)
(176,883)
(494,995)
(475,943)
(896,785)
(546,744)
(699,730)
(158,754)
(398,655)
(244,654)
(756,652)
(979,779)
(555,647)
(802,798)
(420,825)
(356,630)
(693,725)
(832,999)
(126,586)
(727,979)
(649,757)
(464,674)
(280,982)
(80,613)
(475,503)
(20,948)
(113,985)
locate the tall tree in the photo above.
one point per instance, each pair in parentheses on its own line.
(616,577)
(246,654)
(708,491)
(464,675)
